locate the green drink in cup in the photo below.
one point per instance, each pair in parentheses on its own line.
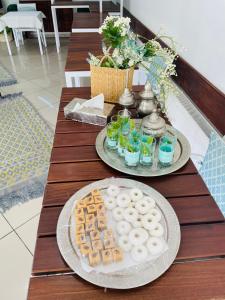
(112,135)
(167,145)
(147,149)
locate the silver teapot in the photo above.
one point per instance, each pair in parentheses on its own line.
(148,100)
(154,124)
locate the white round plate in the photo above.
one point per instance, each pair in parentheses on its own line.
(131,277)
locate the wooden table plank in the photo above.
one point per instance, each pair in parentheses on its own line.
(77,127)
(88,20)
(79,47)
(169,186)
(74,139)
(74,154)
(197,241)
(189,210)
(95,171)
(195,281)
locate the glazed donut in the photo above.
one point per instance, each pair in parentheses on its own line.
(154,245)
(132,204)
(139,253)
(117,213)
(142,206)
(156,214)
(113,190)
(124,243)
(138,236)
(137,222)
(110,203)
(123,200)
(136,194)
(150,201)
(130,214)
(157,231)
(148,222)
(123,227)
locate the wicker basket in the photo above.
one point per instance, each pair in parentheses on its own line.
(111,82)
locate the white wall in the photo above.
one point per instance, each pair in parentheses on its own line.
(198,25)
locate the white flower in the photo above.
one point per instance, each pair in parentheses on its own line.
(131,63)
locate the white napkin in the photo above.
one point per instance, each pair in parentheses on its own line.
(96,102)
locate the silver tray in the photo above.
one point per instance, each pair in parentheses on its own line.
(131,277)
(111,158)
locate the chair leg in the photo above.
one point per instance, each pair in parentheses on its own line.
(7,42)
(21,37)
(44,37)
(16,38)
(39,41)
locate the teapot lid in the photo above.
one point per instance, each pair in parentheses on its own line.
(127,98)
(154,121)
(147,93)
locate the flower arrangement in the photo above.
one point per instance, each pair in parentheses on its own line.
(122,49)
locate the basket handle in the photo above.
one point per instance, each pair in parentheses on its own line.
(110,58)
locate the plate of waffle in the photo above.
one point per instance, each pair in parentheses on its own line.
(118,233)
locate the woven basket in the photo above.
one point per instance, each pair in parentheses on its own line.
(111,82)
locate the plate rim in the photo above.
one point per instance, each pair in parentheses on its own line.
(111,281)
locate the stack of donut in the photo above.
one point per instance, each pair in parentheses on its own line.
(137,222)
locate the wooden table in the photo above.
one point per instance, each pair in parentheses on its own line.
(199,270)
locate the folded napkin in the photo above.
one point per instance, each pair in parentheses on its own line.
(92,111)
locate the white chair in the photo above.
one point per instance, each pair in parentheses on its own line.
(29,7)
(23,21)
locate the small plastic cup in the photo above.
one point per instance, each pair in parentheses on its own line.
(167,145)
(112,135)
(132,154)
(147,149)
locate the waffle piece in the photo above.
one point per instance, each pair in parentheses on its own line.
(89,200)
(85,249)
(95,193)
(91,208)
(94,258)
(81,203)
(90,227)
(80,239)
(109,243)
(79,211)
(90,218)
(101,215)
(100,207)
(108,234)
(97,245)
(107,256)
(80,228)
(80,220)
(95,235)
(117,254)
(98,199)
(102,224)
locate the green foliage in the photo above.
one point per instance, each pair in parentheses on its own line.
(112,35)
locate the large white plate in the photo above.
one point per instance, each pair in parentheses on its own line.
(131,277)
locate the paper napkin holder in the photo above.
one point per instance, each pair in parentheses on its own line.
(93,111)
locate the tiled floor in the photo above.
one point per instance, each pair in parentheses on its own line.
(41,80)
